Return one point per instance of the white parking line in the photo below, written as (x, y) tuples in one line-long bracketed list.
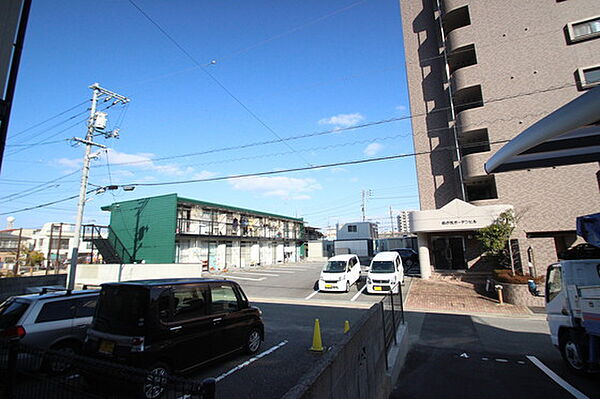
[(568, 387), (240, 278), (280, 271), (258, 274), (311, 295), (247, 362), (355, 297)]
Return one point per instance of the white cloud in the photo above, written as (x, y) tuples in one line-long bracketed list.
[(338, 169), (372, 149), (343, 120), (205, 174), (143, 160), (69, 163), (279, 186)]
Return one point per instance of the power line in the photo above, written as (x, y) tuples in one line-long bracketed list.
[(46, 204), (314, 167), (350, 128), (48, 120), (214, 79), (40, 185)]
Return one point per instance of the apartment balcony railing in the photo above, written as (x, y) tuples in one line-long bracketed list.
[(231, 229)]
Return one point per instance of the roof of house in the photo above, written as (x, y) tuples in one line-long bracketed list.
[(211, 204)]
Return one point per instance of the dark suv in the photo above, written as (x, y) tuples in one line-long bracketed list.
[(167, 326)]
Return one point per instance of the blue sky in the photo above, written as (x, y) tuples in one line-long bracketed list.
[(300, 66)]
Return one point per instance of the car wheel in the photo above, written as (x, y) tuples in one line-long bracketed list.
[(572, 353), (58, 360), (253, 341), (156, 381)]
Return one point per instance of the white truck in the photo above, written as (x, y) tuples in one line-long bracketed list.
[(573, 304)]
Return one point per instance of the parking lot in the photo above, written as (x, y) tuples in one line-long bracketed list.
[(286, 295), (296, 283)]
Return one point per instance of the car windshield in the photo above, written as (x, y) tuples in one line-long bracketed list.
[(121, 310), (11, 311), (335, 266), (382, 267)]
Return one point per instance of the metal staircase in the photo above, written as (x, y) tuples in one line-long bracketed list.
[(107, 243)]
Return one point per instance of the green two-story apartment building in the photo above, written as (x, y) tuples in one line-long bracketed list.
[(172, 229)]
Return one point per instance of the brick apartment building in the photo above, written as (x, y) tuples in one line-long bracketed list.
[(479, 73)]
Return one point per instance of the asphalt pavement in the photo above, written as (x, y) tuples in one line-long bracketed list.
[(287, 295), (461, 356)]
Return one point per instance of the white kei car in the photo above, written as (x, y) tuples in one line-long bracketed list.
[(339, 273), (385, 274)]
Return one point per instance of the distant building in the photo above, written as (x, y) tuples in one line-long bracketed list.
[(356, 238), (172, 229), (404, 222)]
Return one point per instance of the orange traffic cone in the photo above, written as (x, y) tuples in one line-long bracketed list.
[(317, 345)]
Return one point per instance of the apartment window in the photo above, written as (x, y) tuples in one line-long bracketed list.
[(584, 30), (467, 98), (588, 77), (474, 141), (481, 189), (352, 228), (462, 57)]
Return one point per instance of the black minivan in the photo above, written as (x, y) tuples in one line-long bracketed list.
[(173, 325)]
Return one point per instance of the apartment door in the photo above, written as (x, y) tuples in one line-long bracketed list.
[(449, 253), (212, 256)]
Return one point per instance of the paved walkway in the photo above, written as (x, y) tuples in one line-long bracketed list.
[(451, 294)]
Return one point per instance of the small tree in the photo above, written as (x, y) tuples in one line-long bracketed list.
[(494, 238), (34, 258)]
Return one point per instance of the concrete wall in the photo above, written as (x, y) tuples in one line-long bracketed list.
[(356, 367), (19, 285), (98, 274)]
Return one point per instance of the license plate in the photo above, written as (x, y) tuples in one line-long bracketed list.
[(377, 288), (107, 347), (328, 286)]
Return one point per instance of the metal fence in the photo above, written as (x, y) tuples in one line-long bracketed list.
[(392, 313), (27, 373)]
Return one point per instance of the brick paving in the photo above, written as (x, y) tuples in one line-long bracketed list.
[(452, 294)]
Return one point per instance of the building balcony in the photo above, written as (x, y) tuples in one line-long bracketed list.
[(467, 98), (472, 165), (471, 119), (465, 77), (232, 230), (460, 37), (451, 5)]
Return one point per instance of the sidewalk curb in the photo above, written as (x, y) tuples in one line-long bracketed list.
[(531, 316)]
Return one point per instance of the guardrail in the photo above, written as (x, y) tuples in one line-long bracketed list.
[(30, 372)]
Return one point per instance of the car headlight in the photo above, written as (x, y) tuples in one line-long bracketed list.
[(340, 278), (321, 279)]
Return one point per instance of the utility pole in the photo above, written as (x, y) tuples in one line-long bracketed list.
[(49, 257), (96, 122), (391, 221), (57, 265), (16, 265), (365, 194)]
